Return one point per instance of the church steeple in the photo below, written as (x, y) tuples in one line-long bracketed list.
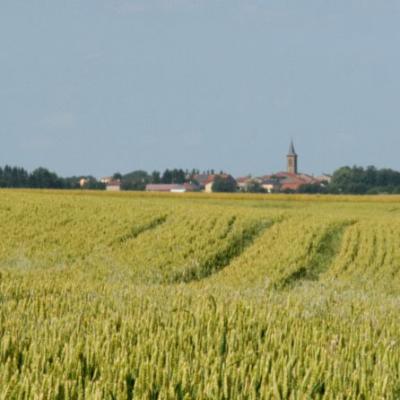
[(292, 159), (291, 149)]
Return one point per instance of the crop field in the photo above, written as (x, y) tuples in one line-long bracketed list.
[(136, 296)]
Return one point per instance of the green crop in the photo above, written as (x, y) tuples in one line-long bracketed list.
[(137, 296)]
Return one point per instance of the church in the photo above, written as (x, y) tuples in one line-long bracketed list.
[(291, 179), (292, 160)]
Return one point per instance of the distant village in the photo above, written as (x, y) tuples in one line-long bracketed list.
[(344, 180), (287, 181)]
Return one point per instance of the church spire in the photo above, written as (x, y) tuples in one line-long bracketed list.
[(292, 152), (292, 159)]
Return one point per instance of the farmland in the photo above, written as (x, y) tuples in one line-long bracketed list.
[(134, 296)]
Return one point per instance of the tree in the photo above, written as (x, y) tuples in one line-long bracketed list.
[(178, 176), (13, 177), (312, 188), (255, 187), (166, 177), (93, 184), (357, 180), (288, 191), (73, 182), (224, 184), (155, 177), (193, 173), (44, 179), (135, 180)]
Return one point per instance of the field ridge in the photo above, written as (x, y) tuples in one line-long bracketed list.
[(325, 253), (139, 229), (237, 244)]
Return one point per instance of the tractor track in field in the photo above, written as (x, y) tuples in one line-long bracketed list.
[(327, 250), (138, 230)]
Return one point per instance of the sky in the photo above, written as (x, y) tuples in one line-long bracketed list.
[(100, 86)]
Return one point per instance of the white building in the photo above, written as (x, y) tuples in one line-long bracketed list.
[(113, 186)]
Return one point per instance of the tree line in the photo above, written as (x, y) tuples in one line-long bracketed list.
[(370, 180), (42, 178)]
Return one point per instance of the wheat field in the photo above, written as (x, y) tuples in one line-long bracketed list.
[(137, 296)]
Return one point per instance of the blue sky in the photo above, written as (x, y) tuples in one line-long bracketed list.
[(98, 86)]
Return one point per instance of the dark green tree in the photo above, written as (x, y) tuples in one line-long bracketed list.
[(44, 179), (94, 184), (224, 184), (155, 177), (135, 180), (255, 187), (166, 177), (312, 188), (178, 176)]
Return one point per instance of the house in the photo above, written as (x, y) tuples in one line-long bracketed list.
[(286, 181), (203, 180), (171, 187), (243, 182), (206, 181), (293, 182), (83, 182), (270, 184), (113, 185), (106, 179), (208, 187), (324, 178)]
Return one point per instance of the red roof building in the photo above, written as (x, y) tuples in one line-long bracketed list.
[(291, 181), (171, 187)]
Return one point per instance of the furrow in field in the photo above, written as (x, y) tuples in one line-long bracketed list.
[(230, 248), (290, 251), (369, 256), (138, 229), (323, 251), (54, 232), (190, 245)]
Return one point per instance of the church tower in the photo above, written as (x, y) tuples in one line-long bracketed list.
[(292, 160)]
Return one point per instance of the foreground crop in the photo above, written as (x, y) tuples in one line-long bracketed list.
[(133, 298)]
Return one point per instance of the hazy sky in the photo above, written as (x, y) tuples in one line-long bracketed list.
[(98, 86)]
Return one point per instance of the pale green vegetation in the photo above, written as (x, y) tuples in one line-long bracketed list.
[(198, 297)]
